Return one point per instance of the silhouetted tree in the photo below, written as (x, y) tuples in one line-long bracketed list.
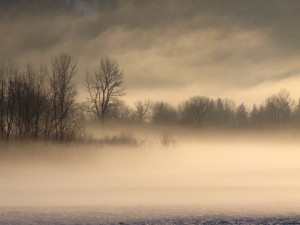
[(63, 93), (10, 74), (278, 108), (196, 110), (296, 115), (105, 86), (241, 116), (163, 113), (36, 104), (143, 111), (119, 111), (254, 117), (220, 115), (3, 90), (223, 113)]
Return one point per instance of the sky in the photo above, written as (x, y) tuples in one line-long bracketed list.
[(168, 50)]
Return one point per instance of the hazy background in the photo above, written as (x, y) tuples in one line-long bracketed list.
[(236, 171), (170, 49)]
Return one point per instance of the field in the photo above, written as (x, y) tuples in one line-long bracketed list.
[(153, 176)]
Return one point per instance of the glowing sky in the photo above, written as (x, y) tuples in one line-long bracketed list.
[(168, 49)]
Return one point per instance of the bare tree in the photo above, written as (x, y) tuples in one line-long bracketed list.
[(163, 113), (33, 107), (63, 93), (40, 101), (105, 86), (143, 111), (196, 110), (119, 112), (278, 108), (12, 72), (3, 93)]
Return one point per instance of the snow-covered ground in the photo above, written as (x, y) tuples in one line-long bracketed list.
[(137, 215), (191, 205)]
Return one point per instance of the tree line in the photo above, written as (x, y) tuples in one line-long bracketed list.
[(277, 111), (41, 103)]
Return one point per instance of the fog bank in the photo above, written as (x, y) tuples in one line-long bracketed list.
[(194, 168)]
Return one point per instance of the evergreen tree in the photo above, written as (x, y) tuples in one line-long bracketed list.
[(241, 116)]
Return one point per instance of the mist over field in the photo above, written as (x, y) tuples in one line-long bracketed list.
[(225, 169), (149, 112), (156, 175)]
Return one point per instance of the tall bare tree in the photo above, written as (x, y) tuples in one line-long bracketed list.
[(105, 86), (63, 93), (12, 73), (3, 90)]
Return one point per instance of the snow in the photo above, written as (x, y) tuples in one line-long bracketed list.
[(136, 215)]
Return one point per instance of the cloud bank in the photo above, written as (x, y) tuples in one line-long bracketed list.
[(168, 49)]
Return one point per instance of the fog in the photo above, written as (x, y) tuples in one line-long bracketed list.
[(170, 166)]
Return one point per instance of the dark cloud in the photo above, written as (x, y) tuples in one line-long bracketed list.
[(279, 17), (160, 43)]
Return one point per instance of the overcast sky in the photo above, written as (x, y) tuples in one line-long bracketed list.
[(168, 49)]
